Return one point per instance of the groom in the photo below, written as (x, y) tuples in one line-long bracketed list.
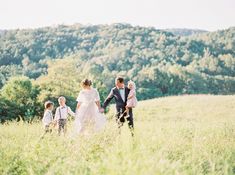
[(120, 94)]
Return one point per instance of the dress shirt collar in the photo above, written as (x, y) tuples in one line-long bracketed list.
[(62, 107), (122, 88)]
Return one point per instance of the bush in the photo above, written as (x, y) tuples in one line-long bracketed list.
[(19, 99)]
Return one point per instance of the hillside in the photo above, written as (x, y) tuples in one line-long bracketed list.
[(26, 51), (56, 59), (186, 32), (173, 135)]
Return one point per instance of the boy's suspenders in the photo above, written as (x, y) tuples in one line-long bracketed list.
[(51, 115), (60, 111)]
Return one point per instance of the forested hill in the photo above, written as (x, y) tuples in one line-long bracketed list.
[(160, 62), (186, 32), (55, 59)]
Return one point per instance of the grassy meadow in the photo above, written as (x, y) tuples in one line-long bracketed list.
[(173, 135)]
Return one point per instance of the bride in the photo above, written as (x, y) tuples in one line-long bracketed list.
[(88, 116)]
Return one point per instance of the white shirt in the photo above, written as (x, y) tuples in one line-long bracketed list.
[(122, 93), (47, 117), (62, 112)]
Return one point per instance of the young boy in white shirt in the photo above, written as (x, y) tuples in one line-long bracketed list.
[(47, 119), (61, 115)]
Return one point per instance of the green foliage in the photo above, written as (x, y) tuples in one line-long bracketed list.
[(63, 79), (118, 48), (8, 71), (19, 97), (160, 62), (8, 111), (185, 32)]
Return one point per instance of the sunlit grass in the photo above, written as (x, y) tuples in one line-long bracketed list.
[(173, 135)]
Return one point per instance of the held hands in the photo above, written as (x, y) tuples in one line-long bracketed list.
[(53, 123), (101, 110)]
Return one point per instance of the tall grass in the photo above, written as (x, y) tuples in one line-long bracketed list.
[(173, 135)]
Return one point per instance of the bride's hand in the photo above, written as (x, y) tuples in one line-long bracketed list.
[(101, 110)]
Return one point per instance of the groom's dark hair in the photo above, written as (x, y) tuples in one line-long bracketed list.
[(120, 79)]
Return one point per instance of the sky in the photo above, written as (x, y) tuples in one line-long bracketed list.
[(196, 14)]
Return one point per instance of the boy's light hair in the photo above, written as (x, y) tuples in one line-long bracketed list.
[(62, 98)]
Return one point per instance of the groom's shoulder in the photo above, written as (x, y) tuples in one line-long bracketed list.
[(114, 89)]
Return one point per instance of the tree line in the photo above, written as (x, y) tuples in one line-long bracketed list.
[(51, 61)]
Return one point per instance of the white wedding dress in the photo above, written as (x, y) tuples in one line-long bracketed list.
[(88, 116)]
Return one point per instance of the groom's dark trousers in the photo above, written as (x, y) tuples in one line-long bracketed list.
[(121, 115)]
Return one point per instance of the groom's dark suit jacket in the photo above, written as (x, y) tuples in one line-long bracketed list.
[(120, 104), (114, 93)]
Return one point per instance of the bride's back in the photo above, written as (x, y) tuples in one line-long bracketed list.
[(88, 95)]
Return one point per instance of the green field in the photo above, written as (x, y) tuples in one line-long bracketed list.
[(173, 135)]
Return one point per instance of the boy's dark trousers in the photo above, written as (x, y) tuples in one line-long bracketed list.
[(48, 129), (62, 124)]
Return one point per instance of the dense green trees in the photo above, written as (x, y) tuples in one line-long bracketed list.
[(56, 59), (19, 99)]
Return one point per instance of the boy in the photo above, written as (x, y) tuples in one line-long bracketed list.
[(47, 119), (61, 115)]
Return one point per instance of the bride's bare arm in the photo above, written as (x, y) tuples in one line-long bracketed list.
[(78, 105), (98, 104)]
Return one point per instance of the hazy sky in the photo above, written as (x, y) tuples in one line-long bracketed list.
[(201, 14)]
